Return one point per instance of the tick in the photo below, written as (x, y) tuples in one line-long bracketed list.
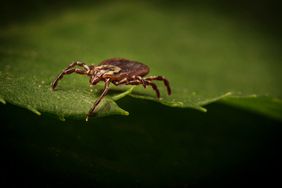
[(118, 71)]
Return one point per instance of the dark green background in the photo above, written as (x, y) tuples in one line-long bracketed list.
[(155, 145)]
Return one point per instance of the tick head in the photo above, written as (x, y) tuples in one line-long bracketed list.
[(101, 72)]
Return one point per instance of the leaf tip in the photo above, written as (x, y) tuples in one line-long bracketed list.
[(34, 110), (202, 109), (2, 100), (126, 113)]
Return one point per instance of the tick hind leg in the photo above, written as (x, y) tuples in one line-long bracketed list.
[(155, 88), (138, 81), (70, 70), (161, 78)]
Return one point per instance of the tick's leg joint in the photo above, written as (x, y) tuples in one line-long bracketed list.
[(70, 70), (105, 91), (143, 82), (122, 81), (161, 78), (78, 63), (155, 88)]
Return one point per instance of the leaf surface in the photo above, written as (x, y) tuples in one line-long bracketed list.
[(205, 55)]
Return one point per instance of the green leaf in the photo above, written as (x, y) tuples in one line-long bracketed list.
[(205, 55)]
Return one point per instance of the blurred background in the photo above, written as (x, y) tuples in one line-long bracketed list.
[(265, 13), (156, 145)]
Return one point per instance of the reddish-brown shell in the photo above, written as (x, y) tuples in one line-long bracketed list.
[(128, 68)]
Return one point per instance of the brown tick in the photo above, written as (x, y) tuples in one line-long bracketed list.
[(116, 70)]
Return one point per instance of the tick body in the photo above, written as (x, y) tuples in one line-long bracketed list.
[(118, 71)]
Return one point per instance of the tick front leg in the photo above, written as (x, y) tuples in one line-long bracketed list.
[(161, 78), (104, 93), (78, 63), (69, 70)]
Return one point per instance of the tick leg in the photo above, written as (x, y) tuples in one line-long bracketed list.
[(146, 82), (142, 81), (161, 78), (78, 63), (105, 91), (123, 81), (69, 70), (137, 79), (154, 86)]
